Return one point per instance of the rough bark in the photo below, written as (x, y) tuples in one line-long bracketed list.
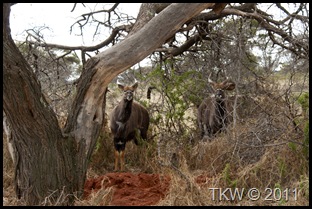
[(44, 161)]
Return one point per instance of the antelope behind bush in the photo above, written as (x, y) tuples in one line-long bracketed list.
[(126, 120), (213, 111)]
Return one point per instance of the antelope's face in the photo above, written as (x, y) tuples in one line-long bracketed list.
[(220, 88), (128, 91), (128, 94), (219, 94)]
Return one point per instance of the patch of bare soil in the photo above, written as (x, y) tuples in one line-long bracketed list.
[(131, 189)]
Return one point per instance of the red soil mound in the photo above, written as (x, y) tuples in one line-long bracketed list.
[(131, 189)]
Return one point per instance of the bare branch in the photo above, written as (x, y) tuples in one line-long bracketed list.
[(86, 48), (85, 17), (299, 47)]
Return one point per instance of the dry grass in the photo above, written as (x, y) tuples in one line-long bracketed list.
[(8, 174), (277, 168), (102, 197)]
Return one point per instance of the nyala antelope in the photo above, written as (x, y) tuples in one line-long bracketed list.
[(126, 120), (213, 111)]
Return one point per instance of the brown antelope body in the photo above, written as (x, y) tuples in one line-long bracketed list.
[(213, 111), (126, 119)]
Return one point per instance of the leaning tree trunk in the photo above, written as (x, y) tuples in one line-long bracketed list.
[(53, 163)]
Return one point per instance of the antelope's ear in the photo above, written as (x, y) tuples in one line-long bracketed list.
[(228, 85), (134, 86), (121, 87), (213, 84)]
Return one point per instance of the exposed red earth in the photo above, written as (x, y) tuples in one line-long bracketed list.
[(131, 189)]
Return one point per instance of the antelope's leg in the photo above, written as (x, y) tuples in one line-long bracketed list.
[(117, 154), (122, 160)]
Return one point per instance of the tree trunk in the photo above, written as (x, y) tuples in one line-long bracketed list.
[(45, 161), (53, 163)]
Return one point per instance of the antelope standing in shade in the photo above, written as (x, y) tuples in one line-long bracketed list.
[(126, 119), (213, 111)]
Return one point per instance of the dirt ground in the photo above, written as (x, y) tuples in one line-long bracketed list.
[(130, 189)]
